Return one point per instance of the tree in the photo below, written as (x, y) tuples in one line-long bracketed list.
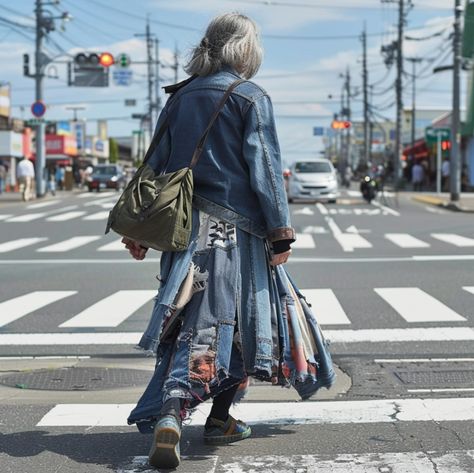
[(113, 151)]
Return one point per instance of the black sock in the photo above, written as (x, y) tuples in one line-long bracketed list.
[(222, 403), (173, 407)]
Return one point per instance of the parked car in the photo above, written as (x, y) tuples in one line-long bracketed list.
[(106, 176), (313, 179)]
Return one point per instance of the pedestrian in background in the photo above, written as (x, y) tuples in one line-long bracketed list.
[(226, 308), (445, 173), (60, 173), (417, 176), (26, 174), (3, 176)]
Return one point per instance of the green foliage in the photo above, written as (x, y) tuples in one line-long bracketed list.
[(113, 151)]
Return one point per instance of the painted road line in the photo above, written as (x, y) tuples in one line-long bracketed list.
[(47, 357), (69, 244), (389, 335), (103, 215), (386, 209), (14, 309), (469, 289), (20, 243), (326, 307), (442, 390), (451, 461), (26, 217), (348, 241), (66, 216), (303, 241), (322, 209), (116, 245), (278, 413), (304, 211), (453, 239), (415, 305), (40, 205), (4, 216), (85, 195), (112, 310), (107, 205), (354, 193), (424, 360), (100, 201), (405, 240)]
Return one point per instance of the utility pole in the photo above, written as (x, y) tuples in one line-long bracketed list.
[(414, 61), (157, 77), (349, 116), (40, 163), (176, 63), (365, 80), (455, 166)]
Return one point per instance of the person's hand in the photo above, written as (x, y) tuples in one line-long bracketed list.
[(135, 249), (280, 258)]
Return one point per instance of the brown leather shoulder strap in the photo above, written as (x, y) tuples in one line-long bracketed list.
[(200, 146)]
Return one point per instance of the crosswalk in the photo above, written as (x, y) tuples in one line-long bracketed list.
[(407, 305), (305, 241)]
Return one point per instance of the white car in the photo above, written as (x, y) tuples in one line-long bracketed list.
[(313, 179)]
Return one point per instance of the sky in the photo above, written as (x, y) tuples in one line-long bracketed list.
[(308, 45)]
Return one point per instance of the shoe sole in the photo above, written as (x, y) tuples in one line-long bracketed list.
[(225, 439), (163, 452)]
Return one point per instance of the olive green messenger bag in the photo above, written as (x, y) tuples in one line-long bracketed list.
[(156, 209)]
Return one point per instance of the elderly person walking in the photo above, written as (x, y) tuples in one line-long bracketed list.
[(226, 308)]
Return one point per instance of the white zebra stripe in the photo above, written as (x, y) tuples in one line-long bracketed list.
[(326, 307), (66, 216), (69, 244), (21, 243), (454, 239), (404, 240)]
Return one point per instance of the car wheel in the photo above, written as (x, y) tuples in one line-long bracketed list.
[(290, 200), (332, 201)]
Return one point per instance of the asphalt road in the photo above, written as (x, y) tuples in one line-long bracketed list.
[(391, 284)]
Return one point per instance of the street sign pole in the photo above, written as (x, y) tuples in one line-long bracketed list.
[(438, 163)]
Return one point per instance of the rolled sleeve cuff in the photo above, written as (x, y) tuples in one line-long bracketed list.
[(283, 233)]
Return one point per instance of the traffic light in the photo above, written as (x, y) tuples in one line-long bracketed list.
[(87, 60), (341, 124), (446, 145), (123, 60), (26, 65), (106, 60)]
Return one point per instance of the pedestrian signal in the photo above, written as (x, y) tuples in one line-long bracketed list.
[(341, 124), (446, 145)]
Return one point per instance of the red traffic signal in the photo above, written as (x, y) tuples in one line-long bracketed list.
[(446, 145), (106, 60), (341, 124)]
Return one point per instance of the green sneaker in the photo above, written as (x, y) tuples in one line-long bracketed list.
[(217, 432), (164, 451)]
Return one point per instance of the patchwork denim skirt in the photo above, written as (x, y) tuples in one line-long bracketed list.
[(224, 314)]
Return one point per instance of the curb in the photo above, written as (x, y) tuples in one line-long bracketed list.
[(438, 202)]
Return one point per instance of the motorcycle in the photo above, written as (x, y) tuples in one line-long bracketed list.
[(368, 188)]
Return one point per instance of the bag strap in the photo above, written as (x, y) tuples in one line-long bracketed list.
[(200, 146)]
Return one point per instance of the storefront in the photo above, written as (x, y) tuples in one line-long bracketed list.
[(11, 151)]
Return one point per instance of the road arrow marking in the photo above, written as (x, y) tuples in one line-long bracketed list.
[(354, 229), (303, 211)]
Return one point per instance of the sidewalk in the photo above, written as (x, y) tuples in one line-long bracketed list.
[(443, 200)]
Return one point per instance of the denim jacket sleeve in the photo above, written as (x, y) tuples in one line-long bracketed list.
[(261, 151)]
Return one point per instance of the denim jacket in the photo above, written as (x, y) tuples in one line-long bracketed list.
[(239, 174)]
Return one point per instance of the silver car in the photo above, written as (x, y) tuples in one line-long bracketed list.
[(313, 179)]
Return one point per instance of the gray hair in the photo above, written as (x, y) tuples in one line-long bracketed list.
[(231, 40)]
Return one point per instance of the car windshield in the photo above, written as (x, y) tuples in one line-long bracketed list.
[(307, 167), (106, 170)]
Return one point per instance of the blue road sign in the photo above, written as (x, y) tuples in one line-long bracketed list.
[(318, 131), (38, 109), (122, 77)]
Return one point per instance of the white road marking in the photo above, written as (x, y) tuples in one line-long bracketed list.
[(20, 243), (326, 307), (354, 193), (388, 335), (442, 390), (47, 357), (405, 240), (100, 201), (424, 360), (112, 310), (14, 309), (469, 289), (354, 229), (103, 215), (116, 245), (415, 305), (281, 413), (40, 205), (304, 211), (85, 195), (207, 464), (303, 241), (4, 216), (26, 217), (107, 205), (69, 244), (386, 209), (454, 239), (434, 210), (314, 229), (348, 241), (66, 216), (322, 209)]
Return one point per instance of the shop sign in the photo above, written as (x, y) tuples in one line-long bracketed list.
[(11, 144)]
